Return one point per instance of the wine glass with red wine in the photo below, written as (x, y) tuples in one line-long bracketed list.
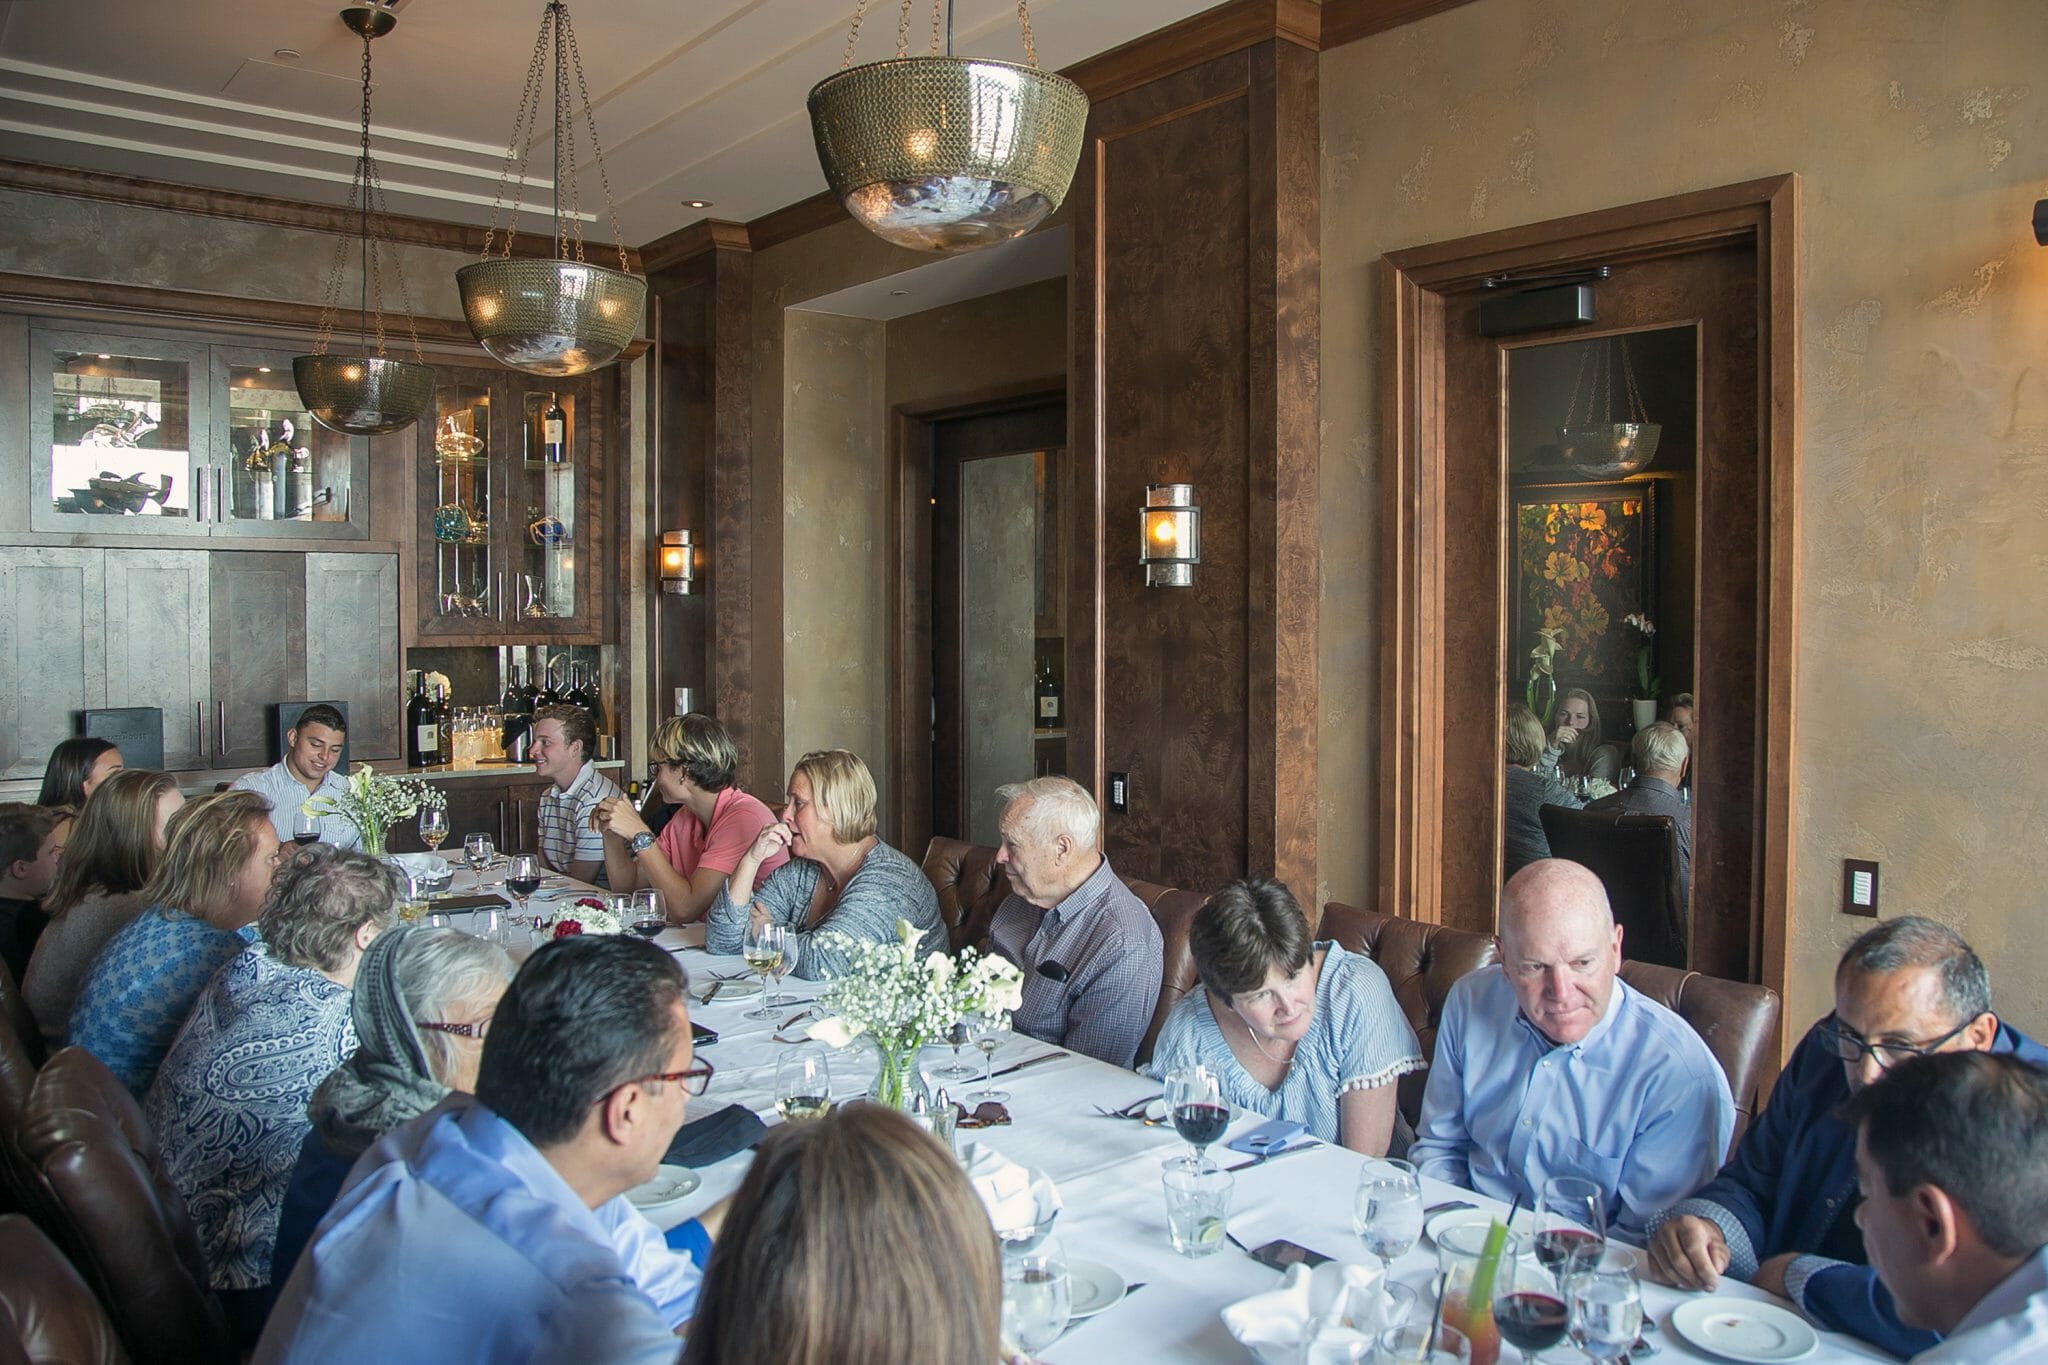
[(522, 879), (1571, 1225), (1529, 1307), (305, 828), (1194, 1097)]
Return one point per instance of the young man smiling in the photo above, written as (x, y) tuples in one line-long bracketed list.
[(564, 742), (306, 773)]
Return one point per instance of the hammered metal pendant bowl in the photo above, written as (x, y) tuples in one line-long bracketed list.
[(551, 317), (1608, 450), (362, 395), (948, 154)]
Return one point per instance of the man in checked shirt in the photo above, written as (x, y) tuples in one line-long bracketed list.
[(1089, 950)]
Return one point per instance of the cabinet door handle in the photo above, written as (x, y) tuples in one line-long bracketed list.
[(498, 597), (199, 748), (220, 729), (220, 478), (202, 500)]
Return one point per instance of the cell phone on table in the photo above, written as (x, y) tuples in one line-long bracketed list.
[(701, 1036), (1281, 1253)]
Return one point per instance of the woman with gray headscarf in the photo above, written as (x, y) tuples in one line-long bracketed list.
[(423, 1002)]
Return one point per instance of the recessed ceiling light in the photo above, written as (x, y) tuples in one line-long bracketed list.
[(899, 293), (263, 369), (286, 54), (697, 203), (106, 357)]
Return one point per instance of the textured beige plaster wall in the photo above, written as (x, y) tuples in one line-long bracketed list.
[(1015, 337), (1921, 133)]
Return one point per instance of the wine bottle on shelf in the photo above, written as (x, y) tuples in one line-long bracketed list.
[(444, 722), (509, 702), (554, 431), (550, 695), (529, 695), (422, 730), (594, 700), (578, 697), (1046, 713)]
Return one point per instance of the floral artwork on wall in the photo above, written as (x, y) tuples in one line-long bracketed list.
[(1584, 561)]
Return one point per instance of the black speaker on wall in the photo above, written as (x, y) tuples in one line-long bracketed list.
[(1536, 310)]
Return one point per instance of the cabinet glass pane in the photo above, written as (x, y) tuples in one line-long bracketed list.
[(282, 465), (463, 461), (120, 435), (544, 497)]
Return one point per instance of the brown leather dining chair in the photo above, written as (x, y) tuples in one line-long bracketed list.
[(15, 1012), (48, 1315), (1636, 859), (970, 887), (109, 1204), (1738, 1021), (17, 1079)]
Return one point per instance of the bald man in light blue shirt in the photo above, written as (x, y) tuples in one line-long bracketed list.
[(1549, 1065)]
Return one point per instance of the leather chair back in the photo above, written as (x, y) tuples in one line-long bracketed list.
[(15, 1012), (17, 1079), (970, 887), (1173, 911), (1422, 963), (47, 1314), (1737, 1020), (113, 1209), (1636, 859)]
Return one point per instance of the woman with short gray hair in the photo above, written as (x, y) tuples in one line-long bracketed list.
[(229, 1104), (423, 1003)]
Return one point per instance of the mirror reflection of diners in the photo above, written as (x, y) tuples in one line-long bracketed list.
[(1604, 570)]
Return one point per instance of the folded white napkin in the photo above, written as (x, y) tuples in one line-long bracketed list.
[(424, 867), (1018, 1198), (1341, 1301)]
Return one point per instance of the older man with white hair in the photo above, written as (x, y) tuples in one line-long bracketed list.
[(1660, 753), (1549, 1065), (1089, 950)]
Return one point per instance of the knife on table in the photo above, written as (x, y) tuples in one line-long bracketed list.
[(1264, 1157), (1032, 1061)]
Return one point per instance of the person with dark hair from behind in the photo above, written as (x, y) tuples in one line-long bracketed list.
[(31, 847), (1529, 789), (495, 1226), (796, 1278), (76, 769), (306, 773), (1952, 1160), (1781, 1212)]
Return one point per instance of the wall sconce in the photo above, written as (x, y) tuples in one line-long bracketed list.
[(1171, 542), (676, 562)]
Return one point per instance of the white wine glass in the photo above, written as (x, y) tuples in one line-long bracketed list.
[(762, 952), (433, 827), (477, 851), (1386, 1212), (803, 1084)]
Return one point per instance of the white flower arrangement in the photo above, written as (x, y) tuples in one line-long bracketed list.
[(584, 915), (901, 1003), (374, 804)]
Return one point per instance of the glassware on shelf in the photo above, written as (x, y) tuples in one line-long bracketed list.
[(454, 524), (456, 442)]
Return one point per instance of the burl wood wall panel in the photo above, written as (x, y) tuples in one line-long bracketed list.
[(1196, 324)]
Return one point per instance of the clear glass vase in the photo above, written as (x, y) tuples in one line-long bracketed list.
[(898, 1082)]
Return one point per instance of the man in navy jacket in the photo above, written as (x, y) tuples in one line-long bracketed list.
[(1781, 1214)]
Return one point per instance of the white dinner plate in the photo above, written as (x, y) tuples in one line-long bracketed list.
[(1743, 1330), (727, 990), (1094, 1286), (1443, 1222), (671, 1185)]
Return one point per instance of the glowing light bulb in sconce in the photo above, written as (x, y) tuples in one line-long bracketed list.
[(1171, 535), (676, 562)]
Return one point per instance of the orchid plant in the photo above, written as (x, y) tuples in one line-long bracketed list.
[(1542, 680), (374, 804), (900, 1003), (1648, 685)]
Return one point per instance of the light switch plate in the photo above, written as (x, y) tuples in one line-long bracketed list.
[(1120, 793), (1859, 887)]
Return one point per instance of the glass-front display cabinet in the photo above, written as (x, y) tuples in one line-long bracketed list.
[(140, 435), (506, 500)]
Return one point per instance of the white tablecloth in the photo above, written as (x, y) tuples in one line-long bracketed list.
[(1108, 1172)]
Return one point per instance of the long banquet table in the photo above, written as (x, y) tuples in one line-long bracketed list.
[(1108, 1173)]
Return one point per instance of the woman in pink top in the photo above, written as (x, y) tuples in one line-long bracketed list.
[(715, 824)]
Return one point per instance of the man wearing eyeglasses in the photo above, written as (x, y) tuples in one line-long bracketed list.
[(495, 1227), (1782, 1212)]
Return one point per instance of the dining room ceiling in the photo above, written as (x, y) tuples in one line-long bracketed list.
[(696, 100)]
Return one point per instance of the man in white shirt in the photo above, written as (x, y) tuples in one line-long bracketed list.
[(1952, 1158), (495, 1227), (311, 749), (563, 744)]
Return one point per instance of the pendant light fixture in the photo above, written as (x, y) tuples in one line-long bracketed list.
[(943, 153), (364, 392), (563, 315)]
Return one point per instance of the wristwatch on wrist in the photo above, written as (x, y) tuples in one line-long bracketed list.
[(640, 843)]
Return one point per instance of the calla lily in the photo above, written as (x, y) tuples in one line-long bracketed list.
[(834, 1032)]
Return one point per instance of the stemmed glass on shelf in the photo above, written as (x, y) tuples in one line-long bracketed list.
[(763, 951), (1386, 1212), (433, 827), (1194, 1099)]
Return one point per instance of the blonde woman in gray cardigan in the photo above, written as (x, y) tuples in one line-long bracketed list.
[(841, 879)]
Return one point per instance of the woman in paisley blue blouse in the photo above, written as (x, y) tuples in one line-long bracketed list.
[(1296, 1029), (229, 1104)]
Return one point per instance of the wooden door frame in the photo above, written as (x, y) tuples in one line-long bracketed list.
[(909, 553), (1415, 511)]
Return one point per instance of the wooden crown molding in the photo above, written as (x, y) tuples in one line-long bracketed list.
[(706, 234), (139, 192), (1346, 21)]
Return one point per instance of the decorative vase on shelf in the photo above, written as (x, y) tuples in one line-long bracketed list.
[(1645, 712), (898, 1082)]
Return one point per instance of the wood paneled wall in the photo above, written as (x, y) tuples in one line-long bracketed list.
[(1195, 299)]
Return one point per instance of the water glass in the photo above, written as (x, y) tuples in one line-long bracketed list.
[(1038, 1297), (488, 922), (1409, 1344), (477, 851), (1606, 1311), (1386, 1212), (1197, 1208)]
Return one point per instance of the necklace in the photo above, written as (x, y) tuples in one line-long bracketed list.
[(1252, 1034)]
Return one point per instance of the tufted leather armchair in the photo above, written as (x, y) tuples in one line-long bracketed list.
[(17, 1078), (47, 1315), (970, 887), (1738, 1021), (113, 1209), (14, 1012), (1173, 911)]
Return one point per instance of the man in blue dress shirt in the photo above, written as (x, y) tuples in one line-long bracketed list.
[(1549, 1065), (1781, 1213), (494, 1227)]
